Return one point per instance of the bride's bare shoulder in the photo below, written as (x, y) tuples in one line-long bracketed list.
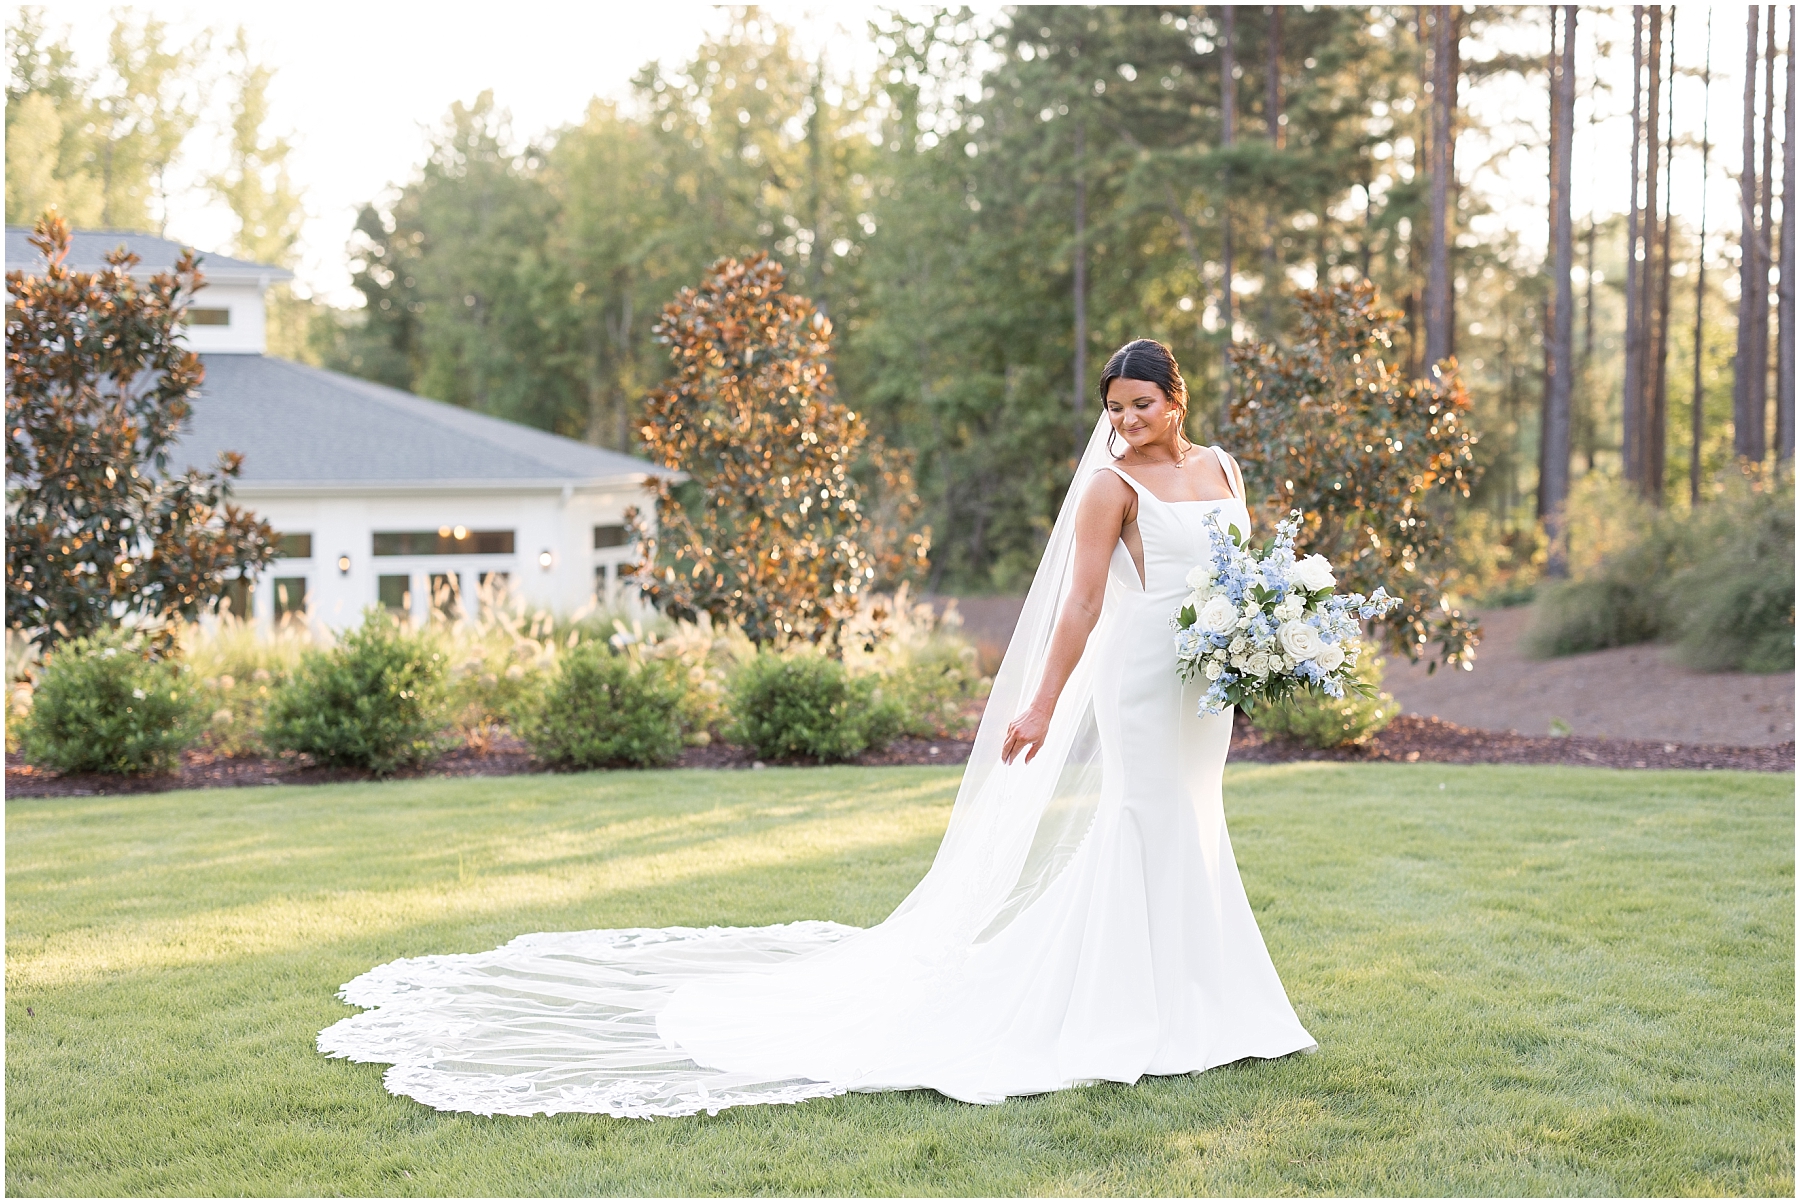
[(1106, 497), (1105, 487)]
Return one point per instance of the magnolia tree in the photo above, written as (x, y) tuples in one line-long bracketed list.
[(1375, 462), (772, 529), (98, 385)]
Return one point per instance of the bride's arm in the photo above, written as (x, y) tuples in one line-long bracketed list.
[(1101, 518)]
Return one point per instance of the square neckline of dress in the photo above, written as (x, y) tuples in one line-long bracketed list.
[(1144, 488)]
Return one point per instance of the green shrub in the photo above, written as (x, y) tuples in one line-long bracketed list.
[(808, 705), (1311, 718), (601, 710), (1717, 581), (237, 670), (100, 705), (376, 701), (934, 689), (489, 689), (1585, 616), (1734, 606)]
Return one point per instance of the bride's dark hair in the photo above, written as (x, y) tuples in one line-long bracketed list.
[(1147, 360)]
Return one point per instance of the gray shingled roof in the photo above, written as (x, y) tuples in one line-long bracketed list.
[(305, 427), (88, 250)]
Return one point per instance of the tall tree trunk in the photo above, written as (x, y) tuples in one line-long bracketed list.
[(1079, 399), (1443, 102), (1747, 413), (1697, 415), (817, 168), (1766, 223), (1553, 483), (1631, 401), (1784, 333), (1227, 139), (1272, 120), (1589, 434), (1656, 429)]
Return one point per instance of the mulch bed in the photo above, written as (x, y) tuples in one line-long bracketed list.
[(1408, 739), (1412, 738)]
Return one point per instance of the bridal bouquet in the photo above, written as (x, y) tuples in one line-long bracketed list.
[(1261, 624)]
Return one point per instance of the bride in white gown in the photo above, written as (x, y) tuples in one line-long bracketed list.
[(1083, 919)]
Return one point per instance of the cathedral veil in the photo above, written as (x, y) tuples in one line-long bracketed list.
[(1014, 826), (569, 1021)]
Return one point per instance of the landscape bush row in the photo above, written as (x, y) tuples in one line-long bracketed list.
[(382, 696), (596, 692), (1716, 581)]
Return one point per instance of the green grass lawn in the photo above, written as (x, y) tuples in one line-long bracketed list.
[(1523, 981)]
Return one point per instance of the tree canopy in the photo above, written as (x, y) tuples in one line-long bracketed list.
[(98, 384), (773, 532)]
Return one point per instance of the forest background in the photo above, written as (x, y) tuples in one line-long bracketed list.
[(984, 213)]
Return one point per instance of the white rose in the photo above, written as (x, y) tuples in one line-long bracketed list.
[(1313, 574), (1213, 670), (1291, 606), (1259, 664), (1199, 576), (1299, 640), (1239, 646), (1331, 658), (1216, 615)]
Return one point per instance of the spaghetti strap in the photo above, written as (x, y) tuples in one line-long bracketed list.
[(1234, 478)]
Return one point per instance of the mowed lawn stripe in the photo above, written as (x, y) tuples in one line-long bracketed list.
[(1523, 980)]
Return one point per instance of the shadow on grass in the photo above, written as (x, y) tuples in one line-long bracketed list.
[(1522, 983)]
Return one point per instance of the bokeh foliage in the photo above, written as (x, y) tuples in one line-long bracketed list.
[(1374, 460), (98, 384), (772, 532)]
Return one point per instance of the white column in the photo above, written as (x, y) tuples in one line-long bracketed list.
[(262, 602)]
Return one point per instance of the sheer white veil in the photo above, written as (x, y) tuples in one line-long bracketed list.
[(1014, 827), (571, 1021)]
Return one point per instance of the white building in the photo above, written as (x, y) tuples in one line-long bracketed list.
[(381, 496)]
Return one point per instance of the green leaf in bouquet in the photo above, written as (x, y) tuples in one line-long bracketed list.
[(1186, 616), (1237, 536)]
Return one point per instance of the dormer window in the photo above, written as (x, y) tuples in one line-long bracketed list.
[(208, 317)]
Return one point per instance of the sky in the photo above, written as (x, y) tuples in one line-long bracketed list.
[(359, 109)]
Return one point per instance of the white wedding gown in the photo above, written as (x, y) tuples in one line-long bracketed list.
[(1083, 921)]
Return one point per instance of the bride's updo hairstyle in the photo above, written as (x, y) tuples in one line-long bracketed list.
[(1147, 360)]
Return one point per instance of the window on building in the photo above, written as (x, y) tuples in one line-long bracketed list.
[(294, 547), (446, 594), (237, 599), (290, 596), (444, 541), (610, 536), (209, 317), (395, 592)]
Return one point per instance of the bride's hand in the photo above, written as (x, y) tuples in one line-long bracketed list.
[(1026, 732)]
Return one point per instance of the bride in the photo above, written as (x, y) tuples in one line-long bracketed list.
[(1083, 920)]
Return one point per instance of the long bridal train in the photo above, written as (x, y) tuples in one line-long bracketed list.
[(1082, 921)]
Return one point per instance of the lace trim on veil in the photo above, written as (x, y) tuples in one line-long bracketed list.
[(566, 1021)]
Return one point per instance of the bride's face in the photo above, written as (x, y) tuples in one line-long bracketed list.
[(1141, 413)]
